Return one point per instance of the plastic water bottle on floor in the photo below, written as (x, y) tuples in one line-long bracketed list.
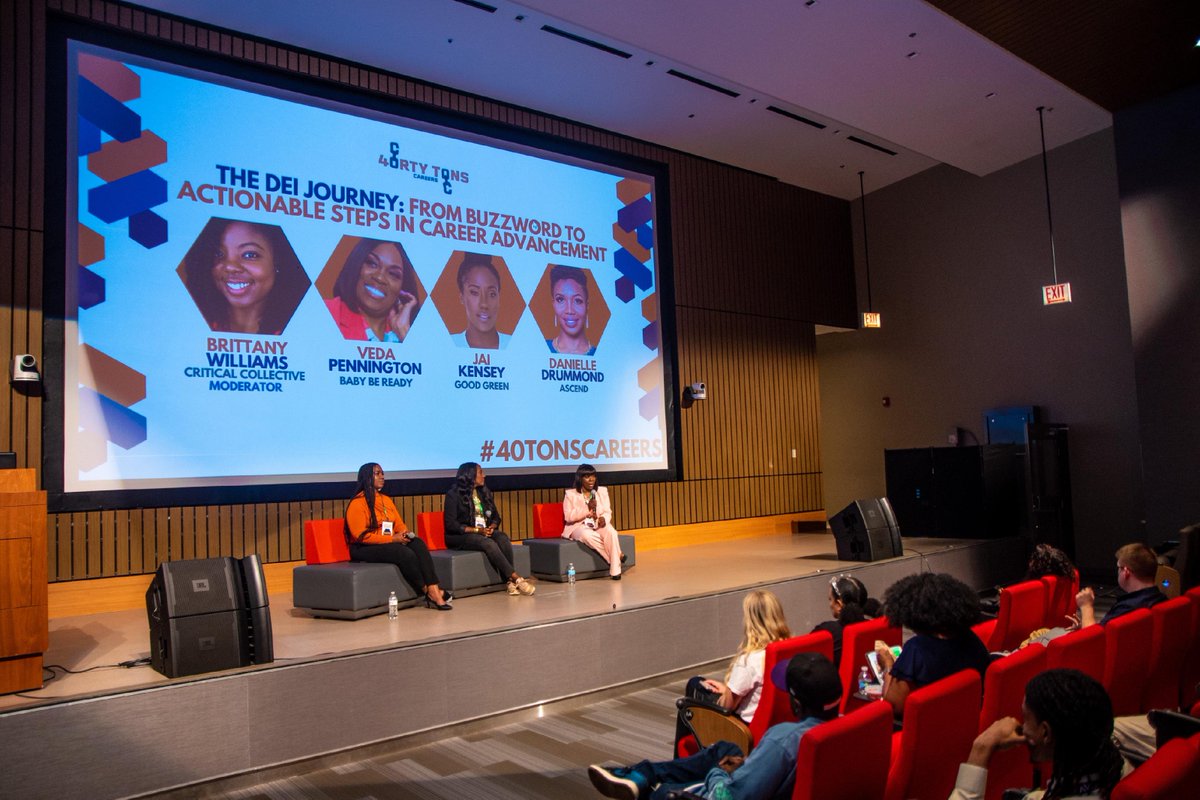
[(864, 678), (571, 574), (393, 606)]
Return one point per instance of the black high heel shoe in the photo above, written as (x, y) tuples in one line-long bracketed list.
[(439, 606)]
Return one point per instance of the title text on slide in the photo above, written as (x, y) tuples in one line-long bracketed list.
[(548, 450)]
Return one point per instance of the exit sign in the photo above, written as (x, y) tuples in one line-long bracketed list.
[(1058, 293), (872, 319)]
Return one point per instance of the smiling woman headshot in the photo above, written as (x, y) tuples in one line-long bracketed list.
[(479, 291), (569, 298), (244, 277), (375, 296)]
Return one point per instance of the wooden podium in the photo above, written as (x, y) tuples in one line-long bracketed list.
[(24, 621)]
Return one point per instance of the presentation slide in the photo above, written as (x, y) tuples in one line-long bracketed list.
[(265, 287)]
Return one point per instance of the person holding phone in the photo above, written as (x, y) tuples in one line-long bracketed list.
[(375, 296), (587, 518), (375, 533), (472, 522)]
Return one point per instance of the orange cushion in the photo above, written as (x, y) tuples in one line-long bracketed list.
[(431, 527), (547, 520), (325, 541)]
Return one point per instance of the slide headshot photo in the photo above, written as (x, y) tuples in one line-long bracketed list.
[(478, 300), (570, 311), (371, 290), (244, 277)]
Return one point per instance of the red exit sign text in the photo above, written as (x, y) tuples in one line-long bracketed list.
[(1058, 293)]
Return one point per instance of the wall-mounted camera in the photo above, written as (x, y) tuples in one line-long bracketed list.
[(694, 392), (25, 369)]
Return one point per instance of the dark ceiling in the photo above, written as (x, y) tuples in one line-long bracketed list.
[(1117, 53)]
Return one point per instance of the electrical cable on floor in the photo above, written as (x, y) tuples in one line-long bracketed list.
[(50, 672)]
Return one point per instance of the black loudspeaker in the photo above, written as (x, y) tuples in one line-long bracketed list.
[(208, 614), (866, 530)]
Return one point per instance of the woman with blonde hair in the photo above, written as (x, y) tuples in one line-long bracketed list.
[(762, 623)]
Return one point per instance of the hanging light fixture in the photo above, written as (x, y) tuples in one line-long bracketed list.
[(871, 318), (1056, 292)]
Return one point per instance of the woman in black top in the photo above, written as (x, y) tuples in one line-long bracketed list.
[(848, 603), (472, 522)]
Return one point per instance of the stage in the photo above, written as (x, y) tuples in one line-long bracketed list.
[(337, 685)]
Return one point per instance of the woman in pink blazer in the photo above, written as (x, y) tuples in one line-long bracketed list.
[(587, 518)]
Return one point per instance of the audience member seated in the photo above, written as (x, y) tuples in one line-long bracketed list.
[(376, 533), (1049, 560), (587, 518), (848, 603), (472, 522), (722, 770), (762, 623), (1136, 568), (1068, 719), (939, 610)]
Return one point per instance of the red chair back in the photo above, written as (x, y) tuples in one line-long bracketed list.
[(1082, 650), (1166, 775), (1127, 645), (940, 721), (846, 758), (1003, 693), (1022, 610), (774, 705), (547, 520), (431, 527), (858, 640), (325, 541), (1189, 673), (1060, 598), (1172, 622)]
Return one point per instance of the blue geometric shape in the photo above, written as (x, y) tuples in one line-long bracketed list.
[(633, 269), (625, 290), (636, 213), (650, 336), (89, 137), (127, 196), (645, 236), (91, 288), (147, 229), (107, 113), (113, 421), (650, 403)]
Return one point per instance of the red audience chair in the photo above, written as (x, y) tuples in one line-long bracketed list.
[(858, 640), (1166, 775), (1190, 672), (940, 722), (774, 705), (1060, 599), (325, 541), (1127, 646), (431, 527), (1022, 610), (846, 758), (1003, 693), (1172, 623), (1082, 650), (547, 520)]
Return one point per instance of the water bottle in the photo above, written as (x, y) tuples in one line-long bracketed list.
[(571, 574), (393, 606), (864, 678)]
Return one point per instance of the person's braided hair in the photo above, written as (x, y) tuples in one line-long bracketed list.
[(1080, 715)]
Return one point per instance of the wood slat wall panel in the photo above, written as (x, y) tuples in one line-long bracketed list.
[(755, 261)]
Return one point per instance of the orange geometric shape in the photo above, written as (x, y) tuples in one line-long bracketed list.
[(446, 296), (650, 376), (650, 307), (89, 449), (117, 159), (91, 246), (541, 304), (115, 78), (110, 377), (629, 190), (629, 240)]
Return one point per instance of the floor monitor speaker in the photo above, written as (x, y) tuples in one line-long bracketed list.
[(866, 530)]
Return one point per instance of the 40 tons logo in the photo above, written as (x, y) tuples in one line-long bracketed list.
[(422, 170)]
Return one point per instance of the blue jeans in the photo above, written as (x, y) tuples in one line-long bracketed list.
[(681, 773)]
